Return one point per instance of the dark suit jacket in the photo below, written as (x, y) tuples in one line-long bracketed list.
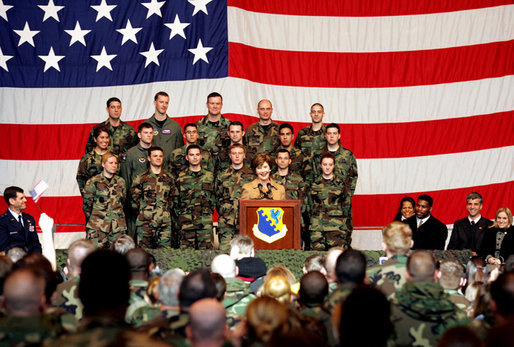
[(430, 235), (13, 234), (466, 237)]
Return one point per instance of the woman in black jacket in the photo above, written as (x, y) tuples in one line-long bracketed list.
[(498, 241)]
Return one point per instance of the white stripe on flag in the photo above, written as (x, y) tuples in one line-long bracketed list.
[(439, 172), (371, 34), (350, 105)]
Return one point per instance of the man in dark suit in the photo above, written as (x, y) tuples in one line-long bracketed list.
[(17, 228), (427, 231), (468, 232)]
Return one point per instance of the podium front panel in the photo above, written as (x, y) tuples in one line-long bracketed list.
[(271, 224)]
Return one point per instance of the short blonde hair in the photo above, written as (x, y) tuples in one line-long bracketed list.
[(245, 244), (106, 157), (398, 237)]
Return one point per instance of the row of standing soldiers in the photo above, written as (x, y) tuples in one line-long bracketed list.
[(170, 201)]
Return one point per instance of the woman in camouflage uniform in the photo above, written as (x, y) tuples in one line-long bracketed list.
[(90, 165), (104, 196), (326, 205)]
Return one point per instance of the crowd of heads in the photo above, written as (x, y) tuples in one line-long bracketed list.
[(283, 310)]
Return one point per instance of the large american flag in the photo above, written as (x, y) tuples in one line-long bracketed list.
[(423, 90)]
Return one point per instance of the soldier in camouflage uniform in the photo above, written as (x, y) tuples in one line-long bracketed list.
[(451, 278), (104, 291), (123, 136), (235, 134), (194, 203), (421, 311), (391, 275), (213, 127), (67, 293), (350, 271), (313, 291), (345, 164), (292, 182), (166, 131), (133, 163), (104, 196), (311, 139), (90, 164), (325, 201), (228, 191), (197, 285), (25, 323), (298, 160), (238, 294), (262, 137), (152, 199), (139, 262), (178, 162)]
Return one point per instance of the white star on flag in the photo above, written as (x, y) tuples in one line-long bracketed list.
[(103, 10), (103, 59), (153, 7), (4, 9), (77, 34), (200, 5), (177, 28), (3, 60), (200, 52), (51, 10), (26, 35), (129, 33), (51, 60), (152, 55)]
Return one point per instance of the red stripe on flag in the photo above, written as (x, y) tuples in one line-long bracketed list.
[(368, 210), (388, 140), (393, 140), (359, 8), (371, 70), (449, 205)]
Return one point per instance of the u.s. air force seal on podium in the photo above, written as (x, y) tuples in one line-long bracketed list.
[(269, 227)]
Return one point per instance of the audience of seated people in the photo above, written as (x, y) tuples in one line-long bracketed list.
[(118, 305)]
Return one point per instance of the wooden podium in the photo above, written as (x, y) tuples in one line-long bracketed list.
[(271, 224)]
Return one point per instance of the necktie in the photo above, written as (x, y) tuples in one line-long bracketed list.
[(420, 222), (20, 220), (472, 223)]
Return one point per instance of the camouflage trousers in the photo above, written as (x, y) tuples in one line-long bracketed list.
[(154, 235), (197, 239), (226, 232), (104, 239), (196, 232), (323, 240), (131, 218)]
